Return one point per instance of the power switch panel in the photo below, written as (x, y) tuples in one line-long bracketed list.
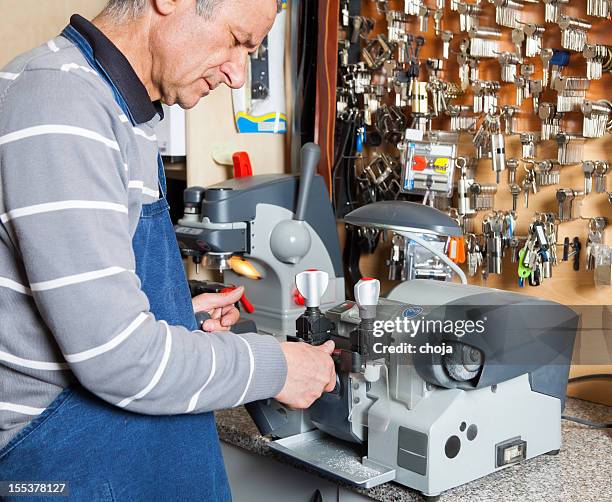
[(510, 452)]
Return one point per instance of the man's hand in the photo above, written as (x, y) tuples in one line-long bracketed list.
[(310, 372), (220, 307)]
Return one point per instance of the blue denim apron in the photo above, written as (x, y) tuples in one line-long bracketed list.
[(106, 453)]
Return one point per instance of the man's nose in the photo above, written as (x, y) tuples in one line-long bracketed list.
[(236, 70)]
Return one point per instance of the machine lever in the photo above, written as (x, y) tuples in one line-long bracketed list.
[(311, 155)]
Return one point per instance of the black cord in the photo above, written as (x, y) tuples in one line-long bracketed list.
[(582, 378), (596, 376), (594, 425)]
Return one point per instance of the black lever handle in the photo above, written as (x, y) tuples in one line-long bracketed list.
[(201, 317), (311, 155)]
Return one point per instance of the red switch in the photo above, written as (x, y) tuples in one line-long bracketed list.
[(242, 165)]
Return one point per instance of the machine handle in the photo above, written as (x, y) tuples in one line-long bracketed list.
[(367, 293), (312, 284), (311, 155)]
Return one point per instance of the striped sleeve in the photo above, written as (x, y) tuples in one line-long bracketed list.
[(65, 203)]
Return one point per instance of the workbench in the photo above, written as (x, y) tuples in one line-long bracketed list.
[(581, 471)]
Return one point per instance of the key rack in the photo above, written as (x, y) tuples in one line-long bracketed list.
[(496, 29)]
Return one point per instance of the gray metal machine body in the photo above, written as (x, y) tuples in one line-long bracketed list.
[(252, 217), (433, 421)]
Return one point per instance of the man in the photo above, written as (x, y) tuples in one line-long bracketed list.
[(105, 382)]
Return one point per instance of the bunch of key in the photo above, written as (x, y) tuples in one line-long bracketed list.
[(538, 255), (529, 142), (507, 12), (570, 148), (508, 116), (571, 92), (553, 63), (474, 254), (552, 10), (533, 38), (482, 195), (596, 56), (566, 198), (484, 41), (530, 184), (598, 8), (547, 172), (467, 168), (596, 118), (573, 32), (462, 118), (551, 121), (490, 142), (498, 233), (595, 174), (468, 15), (508, 61), (597, 226), (485, 96)]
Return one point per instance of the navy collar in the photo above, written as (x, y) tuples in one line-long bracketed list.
[(119, 70)]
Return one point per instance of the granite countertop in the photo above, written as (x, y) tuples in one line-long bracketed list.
[(580, 472)]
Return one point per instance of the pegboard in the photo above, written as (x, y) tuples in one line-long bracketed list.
[(566, 285)]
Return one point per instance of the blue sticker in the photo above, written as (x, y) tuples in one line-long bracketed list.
[(412, 311)]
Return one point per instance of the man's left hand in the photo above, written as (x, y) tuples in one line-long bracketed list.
[(220, 307)]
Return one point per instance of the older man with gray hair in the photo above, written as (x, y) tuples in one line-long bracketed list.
[(107, 383)]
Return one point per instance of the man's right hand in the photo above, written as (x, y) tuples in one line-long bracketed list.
[(310, 372)]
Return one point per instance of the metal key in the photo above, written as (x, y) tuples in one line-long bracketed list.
[(512, 165), (588, 168), (515, 190), (446, 37), (438, 15), (529, 184), (518, 37), (546, 55), (601, 169), (423, 18)]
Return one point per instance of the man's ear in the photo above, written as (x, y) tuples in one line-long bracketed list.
[(165, 7)]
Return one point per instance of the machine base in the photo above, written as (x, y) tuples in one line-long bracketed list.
[(336, 458)]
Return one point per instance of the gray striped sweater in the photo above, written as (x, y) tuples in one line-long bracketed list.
[(74, 174)]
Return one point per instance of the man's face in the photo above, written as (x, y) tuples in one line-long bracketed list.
[(192, 56)]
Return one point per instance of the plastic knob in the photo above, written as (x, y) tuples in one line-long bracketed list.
[(312, 285), (367, 292)]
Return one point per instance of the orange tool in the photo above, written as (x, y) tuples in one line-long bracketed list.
[(246, 304), (456, 249)]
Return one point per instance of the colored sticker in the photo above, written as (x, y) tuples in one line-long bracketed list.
[(419, 163)]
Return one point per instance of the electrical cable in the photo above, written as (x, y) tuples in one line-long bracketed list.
[(594, 425), (596, 376)]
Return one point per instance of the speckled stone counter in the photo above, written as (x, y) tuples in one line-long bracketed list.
[(581, 472)]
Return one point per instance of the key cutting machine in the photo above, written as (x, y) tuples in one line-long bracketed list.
[(438, 384), (260, 231)]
